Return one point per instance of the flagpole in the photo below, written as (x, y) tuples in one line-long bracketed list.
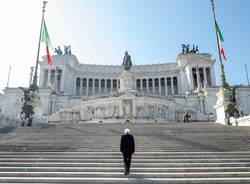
[(8, 77), (247, 74), (223, 78), (34, 86)]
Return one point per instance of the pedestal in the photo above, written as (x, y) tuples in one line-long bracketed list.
[(37, 107), (127, 82), (223, 100)]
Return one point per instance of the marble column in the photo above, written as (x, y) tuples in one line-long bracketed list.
[(191, 85), (172, 85), (166, 87), (178, 84), (99, 86), (198, 78), (141, 88), (212, 76), (81, 86), (153, 81), (87, 87), (147, 86), (62, 80), (49, 75), (93, 86), (105, 86), (55, 80), (159, 85), (205, 77), (111, 85)]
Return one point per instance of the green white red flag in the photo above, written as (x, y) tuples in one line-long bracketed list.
[(46, 39), (220, 39)]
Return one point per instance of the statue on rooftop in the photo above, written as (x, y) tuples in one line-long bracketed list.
[(67, 50), (58, 51), (127, 63), (186, 50)]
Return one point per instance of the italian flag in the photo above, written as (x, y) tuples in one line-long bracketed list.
[(220, 39), (46, 39)]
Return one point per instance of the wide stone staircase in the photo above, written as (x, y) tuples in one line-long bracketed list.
[(89, 153)]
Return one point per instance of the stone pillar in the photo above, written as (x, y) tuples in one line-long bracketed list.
[(99, 86), (205, 77), (111, 85), (55, 80), (172, 85), (135, 87), (141, 84), (159, 84), (178, 85), (166, 87), (87, 87), (198, 79), (117, 84), (41, 82), (62, 80), (49, 75), (105, 86), (80, 86), (93, 87), (147, 86), (153, 82), (212, 76), (191, 86)]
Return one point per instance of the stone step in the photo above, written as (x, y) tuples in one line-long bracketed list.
[(120, 164), (120, 169), (79, 157), (112, 160), (122, 180), (89, 153), (120, 174), (101, 152)]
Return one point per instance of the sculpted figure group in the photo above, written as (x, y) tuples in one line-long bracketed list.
[(153, 111), (67, 50), (186, 50), (100, 112)]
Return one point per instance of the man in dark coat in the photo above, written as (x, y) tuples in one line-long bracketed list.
[(127, 147)]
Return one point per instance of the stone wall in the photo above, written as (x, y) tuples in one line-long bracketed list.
[(7, 121)]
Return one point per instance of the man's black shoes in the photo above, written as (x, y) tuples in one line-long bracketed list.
[(125, 173)]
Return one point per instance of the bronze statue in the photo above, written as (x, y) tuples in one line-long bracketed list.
[(196, 49), (58, 51), (26, 92), (183, 48), (193, 50), (233, 96), (186, 50), (127, 63), (67, 50)]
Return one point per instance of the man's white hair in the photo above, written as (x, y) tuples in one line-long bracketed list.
[(127, 131)]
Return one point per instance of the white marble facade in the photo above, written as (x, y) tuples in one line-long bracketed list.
[(72, 91)]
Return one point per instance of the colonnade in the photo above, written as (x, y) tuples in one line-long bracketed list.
[(201, 77), (162, 86), (52, 78), (92, 86)]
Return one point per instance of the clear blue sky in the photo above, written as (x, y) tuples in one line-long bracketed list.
[(99, 31)]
